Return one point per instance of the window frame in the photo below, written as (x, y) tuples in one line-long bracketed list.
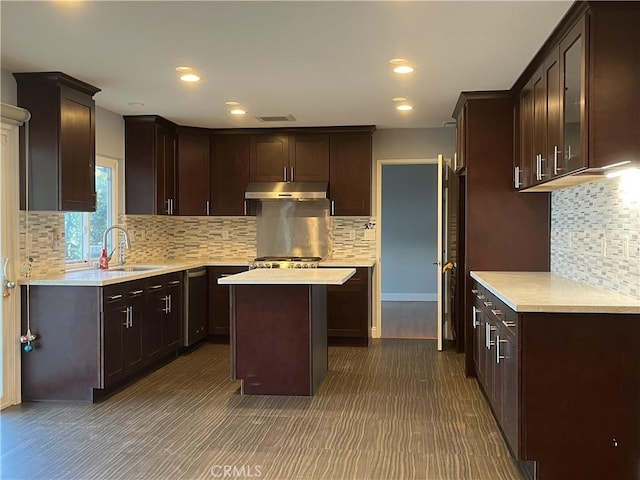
[(101, 161)]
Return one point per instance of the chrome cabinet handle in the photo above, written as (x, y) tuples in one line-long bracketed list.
[(481, 297), (498, 356), (174, 282), (114, 297), (155, 287), (487, 304), (516, 177), (245, 208), (128, 323), (292, 177), (207, 207), (169, 303), (487, 340), (496, 312), (556, 152), (136, 292), (285, 174), (474, 291), (474, 320), (508, 324), (333, 207)]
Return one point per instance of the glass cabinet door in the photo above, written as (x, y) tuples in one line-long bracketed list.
[(573, 71)]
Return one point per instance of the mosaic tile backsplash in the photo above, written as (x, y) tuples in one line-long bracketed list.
[(595, 234), (155, 239)]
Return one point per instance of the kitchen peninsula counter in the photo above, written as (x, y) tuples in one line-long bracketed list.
[(279, 328), (550, 293)]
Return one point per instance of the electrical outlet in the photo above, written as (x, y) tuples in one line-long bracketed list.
[(55, 241), (225, 235)]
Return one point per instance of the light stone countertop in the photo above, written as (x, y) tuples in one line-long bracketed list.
[(550, 293), (290, 276), (98, 278)]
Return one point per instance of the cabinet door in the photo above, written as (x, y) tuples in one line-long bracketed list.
[(229, 174), (572, 64), (172, 318), (219, 320), (348, 309), (461, 140), (269, 158), (350, 173), (113, 325), (526, 165), (479, 342), (539, 125), (77, 151), (165, 172), (553, 142), (152, 319), (132, 334), (510, 398), (193, 174), (309, 157)]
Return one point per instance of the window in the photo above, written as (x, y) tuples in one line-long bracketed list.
[(84, 230)]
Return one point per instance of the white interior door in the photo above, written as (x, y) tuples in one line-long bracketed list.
[(12, 118), (442, 245)]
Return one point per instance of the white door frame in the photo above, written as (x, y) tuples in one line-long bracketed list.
[(12, 118), (376, 331)]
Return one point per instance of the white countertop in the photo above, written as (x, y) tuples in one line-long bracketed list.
[(290, 276), (550, 293), (98, 278)]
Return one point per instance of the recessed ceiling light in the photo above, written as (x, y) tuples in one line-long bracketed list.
[(238, 111), (398, 61), (405, 107), (135, 104), (184, 69), (404, 69), (399, 99), (190, 77), (231, 104)]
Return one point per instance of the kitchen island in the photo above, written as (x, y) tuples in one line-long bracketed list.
[(279, 328)]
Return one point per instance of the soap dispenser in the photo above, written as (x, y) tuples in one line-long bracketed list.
[(103, 262)]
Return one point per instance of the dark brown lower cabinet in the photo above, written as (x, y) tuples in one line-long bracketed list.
[(564, 387), (94, 339), (349, 310), (219, 319)]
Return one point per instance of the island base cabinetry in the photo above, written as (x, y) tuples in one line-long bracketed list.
[(564, 387), (278, 338), (349, 310)]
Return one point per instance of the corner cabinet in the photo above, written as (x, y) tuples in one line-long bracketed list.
[(150, 169), (193, 172), (61, 161), (578, 99), (229, 174)]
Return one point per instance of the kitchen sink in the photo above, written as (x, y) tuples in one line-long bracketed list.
[(137, 268)]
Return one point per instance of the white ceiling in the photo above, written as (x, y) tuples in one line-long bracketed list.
[(325, 63)]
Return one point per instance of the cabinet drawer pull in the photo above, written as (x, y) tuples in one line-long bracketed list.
[(497, 313), (498, 356), (174, 282), (487, 303), (474, 318), (155, 287), (136, 292), (114, 297), (508, 324), (487, 335), (474, 291), (481, 297)]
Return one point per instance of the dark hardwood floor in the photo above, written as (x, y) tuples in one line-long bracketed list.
[(396, 410)]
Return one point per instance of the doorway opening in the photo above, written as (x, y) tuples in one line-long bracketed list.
[(410, 249)]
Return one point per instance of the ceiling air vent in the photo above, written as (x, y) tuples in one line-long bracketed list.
[(277, 118)]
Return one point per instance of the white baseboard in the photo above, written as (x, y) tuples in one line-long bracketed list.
[(409, 297)]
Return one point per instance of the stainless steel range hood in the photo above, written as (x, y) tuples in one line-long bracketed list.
[(286, 190)]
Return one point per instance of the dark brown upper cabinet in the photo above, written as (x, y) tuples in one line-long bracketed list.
[(288, 158), (193, 166), (350, 173), (62, 151), (150, 171), (269, 158), (229, 174), (309, 158), (459, 156), (579, 99)]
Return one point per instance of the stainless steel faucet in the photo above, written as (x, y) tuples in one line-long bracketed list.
[(121, 246)]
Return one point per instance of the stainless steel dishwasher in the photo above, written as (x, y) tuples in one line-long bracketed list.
[(196, 306)]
